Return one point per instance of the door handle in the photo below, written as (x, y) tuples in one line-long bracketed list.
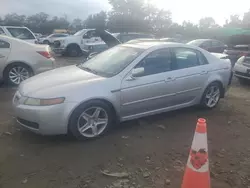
[(204, 72), (168, 79)]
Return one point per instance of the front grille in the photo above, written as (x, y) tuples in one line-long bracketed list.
[(242, 74), (56, 44), (28, 123)]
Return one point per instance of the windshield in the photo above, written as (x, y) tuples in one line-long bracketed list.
[(78, 33), (112, 61)]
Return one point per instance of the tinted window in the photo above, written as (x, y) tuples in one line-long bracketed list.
[(206, 44), (4, 44), (156, 62), (90, 34), (216, 43), (21, 33), (2, 32), (186, 58)]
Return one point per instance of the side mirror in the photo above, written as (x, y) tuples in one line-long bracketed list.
[(138, 72)]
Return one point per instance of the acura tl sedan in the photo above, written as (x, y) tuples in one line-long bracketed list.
[(122, 83)]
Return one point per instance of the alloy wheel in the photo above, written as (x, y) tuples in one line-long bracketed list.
[(212, 96), (18, 74), (92, 122)]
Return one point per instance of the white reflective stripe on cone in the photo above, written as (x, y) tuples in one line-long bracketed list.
[(199, 141)]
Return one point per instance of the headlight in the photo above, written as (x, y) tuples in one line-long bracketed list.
[(43, 102)]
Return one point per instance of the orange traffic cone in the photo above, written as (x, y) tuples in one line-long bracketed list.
[(197, 170)]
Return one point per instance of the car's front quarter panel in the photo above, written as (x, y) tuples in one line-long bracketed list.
[(107, 89)]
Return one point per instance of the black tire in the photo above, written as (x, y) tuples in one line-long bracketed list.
[(72, 126), (73, 50), (204, 100), (7, 70), (243, 81)]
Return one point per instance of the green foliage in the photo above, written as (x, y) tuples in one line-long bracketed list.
[(131, 16)]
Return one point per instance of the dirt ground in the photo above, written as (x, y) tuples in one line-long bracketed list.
[(150, 152)]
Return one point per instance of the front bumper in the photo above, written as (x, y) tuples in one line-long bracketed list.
[(241, 71), (44, 120)]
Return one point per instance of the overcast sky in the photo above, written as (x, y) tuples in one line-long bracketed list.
[(191, 10)]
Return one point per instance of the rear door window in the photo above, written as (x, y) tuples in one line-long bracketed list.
[(21, 33), (185, 58)]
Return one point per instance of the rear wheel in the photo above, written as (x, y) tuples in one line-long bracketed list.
[(211, 95), (16, 73), (91, 120)]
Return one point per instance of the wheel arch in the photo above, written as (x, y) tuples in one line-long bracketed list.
[(220, 84), (108, 102), (73, 44), (17, 62)]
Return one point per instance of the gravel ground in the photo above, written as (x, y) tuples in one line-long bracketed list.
[(149, 152)]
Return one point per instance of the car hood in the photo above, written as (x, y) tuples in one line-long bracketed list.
[(61, 77), (108, 38)]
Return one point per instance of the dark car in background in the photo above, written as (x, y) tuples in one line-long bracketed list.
[(210, 45), (237, 51)]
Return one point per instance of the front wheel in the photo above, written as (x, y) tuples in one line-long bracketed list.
[(243, 81), (73, 51), (91, 120), (211, 95)]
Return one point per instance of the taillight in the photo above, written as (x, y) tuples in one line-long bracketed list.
[(243, 54), (45, 54)]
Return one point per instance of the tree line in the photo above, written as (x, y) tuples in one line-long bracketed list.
[(127, 16)]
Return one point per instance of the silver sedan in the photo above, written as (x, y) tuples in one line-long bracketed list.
[(125, 82)]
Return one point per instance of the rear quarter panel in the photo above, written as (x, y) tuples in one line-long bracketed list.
[(27, 53), (219, 70)]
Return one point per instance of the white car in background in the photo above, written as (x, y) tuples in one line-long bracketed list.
[(23, 33), (20, 60), (74, 45), (242, 69), (51, 38)]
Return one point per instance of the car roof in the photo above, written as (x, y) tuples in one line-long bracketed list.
[(151, 44)]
